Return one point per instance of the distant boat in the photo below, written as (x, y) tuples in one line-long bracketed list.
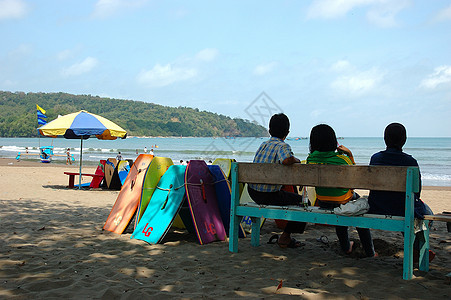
[(46, 153)]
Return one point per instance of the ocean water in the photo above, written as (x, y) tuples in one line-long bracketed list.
[(433, 154)]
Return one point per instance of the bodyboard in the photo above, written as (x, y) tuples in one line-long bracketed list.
[(223, 195), (156, 169), (95, 183), (225, 164), (163, 207), (110, 166), (178, 222), (123, 167), (128, 199), (202, 202), (246, 222), (185, 216)]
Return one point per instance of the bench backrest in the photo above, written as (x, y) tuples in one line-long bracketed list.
[(383, 178)]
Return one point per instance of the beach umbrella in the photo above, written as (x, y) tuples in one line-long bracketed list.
[(82, 125)]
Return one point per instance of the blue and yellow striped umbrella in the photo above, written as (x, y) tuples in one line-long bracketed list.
[(82, 125)]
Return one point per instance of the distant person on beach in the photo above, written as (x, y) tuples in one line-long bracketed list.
[(275, 150), (324, 149), (68, 157), (137, 152), (145, 149), (151, 151), (393, 203), (119, 156)]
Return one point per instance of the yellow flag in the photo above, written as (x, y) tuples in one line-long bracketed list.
[(40, 109)]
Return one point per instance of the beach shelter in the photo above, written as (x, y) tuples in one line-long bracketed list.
[(82, 125)]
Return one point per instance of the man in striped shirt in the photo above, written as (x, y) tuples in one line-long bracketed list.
[(275, 150)]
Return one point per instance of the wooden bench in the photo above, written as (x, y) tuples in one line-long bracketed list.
[(72, 177), (385, 178)]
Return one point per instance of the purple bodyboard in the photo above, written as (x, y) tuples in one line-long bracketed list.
[(202, 202)]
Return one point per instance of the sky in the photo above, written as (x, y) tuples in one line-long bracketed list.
[(357, 65)]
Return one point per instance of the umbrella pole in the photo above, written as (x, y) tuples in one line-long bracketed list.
[(81, 155)]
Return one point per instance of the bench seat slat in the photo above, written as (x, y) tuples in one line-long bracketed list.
[(390, 224)]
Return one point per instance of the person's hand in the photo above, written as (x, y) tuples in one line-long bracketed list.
[(343, 149)]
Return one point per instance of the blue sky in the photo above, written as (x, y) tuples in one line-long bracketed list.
[(356, 65)]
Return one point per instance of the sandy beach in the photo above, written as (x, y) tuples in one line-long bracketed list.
[(52, 247)]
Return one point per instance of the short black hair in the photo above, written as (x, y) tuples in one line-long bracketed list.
[(395, 136), (322, 138), (279, 126)]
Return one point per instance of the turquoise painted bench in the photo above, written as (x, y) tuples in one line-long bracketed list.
[(384, 178)]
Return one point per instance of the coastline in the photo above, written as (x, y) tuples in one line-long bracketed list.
[(53, 246)]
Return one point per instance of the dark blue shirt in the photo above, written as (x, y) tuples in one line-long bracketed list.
[(393, 203)]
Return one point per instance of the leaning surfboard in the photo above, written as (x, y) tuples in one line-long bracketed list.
[(163, 207), (246, 222), (128, 199), (223, 195), (156, 169), (225, 164), (95, 183), (110, 166), (123, 167), (202, 202)]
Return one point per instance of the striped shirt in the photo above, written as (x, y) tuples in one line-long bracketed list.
[(275, 151)]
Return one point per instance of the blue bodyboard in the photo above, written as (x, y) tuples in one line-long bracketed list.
[(223, 195), (163, 206)]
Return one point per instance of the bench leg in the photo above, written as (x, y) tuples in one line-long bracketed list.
[(71, 181), (255, 234), (233, 233), (408, 254), (423, 238)]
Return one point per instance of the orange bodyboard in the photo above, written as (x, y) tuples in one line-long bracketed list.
[(128, 199)]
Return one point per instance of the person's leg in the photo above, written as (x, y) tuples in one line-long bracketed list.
[(343, 238), (295, 227), (367, 241), (281, 198)]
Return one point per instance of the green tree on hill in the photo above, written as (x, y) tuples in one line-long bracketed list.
[(18, 116)]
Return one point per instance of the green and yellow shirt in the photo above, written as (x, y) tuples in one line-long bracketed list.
[(333, 195)]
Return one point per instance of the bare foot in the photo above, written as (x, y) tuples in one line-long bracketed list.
[(351, 244)]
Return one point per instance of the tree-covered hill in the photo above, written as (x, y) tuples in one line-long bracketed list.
[(18, 116)]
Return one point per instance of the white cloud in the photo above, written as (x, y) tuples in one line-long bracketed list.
[(107, 8), (63, 55), (161, 76), (380, 12), (341, 65), (208, 54), (264, 69), (444, 14), (80, 68), (12, 9), (383, 15), (441, 75), (358, 83), (330, 9)]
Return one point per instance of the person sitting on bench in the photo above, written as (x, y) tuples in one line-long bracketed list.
[(275, 150), (393, 203), (324, 149)]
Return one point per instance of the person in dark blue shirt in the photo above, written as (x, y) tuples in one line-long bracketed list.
[(393, 203)]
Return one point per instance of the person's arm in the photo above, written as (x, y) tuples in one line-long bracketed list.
[(343, 149), (290, 160)]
